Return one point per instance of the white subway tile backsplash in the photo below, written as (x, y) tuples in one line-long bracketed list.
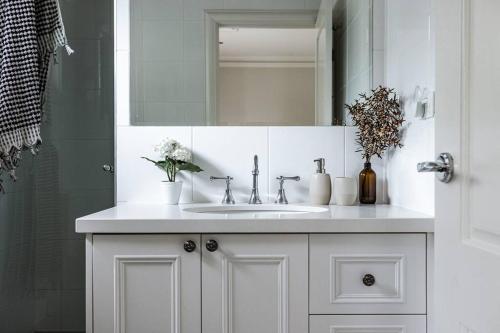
[(138, 180), (407, 27), (378, 78), (122, 88), (229, 151), (292, 151), (417, 193)]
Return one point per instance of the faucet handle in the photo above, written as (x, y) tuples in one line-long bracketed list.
[(228, 198), (281, 198), (227, 178)]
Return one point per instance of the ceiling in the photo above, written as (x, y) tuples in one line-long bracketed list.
[(267, 45)]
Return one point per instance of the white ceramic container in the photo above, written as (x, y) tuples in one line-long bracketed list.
[(345, 191), (320, 189), (172, 192)]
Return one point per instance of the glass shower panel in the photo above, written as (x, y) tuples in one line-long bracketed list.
[(42, 259)]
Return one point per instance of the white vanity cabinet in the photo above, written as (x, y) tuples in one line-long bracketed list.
[(249, 283), (266, 283), (365, 269)]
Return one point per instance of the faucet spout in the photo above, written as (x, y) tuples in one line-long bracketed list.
[(254, 197)]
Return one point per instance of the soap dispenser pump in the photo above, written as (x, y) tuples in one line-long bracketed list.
[(320, 189)]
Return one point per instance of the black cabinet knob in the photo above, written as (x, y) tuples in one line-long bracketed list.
[(212, 245), (368, 280), (189, 246)]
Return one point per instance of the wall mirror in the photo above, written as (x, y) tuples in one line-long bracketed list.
[(183, 66)]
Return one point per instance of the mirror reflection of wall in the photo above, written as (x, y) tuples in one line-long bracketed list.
[(266, 76), (266, 73), (166, 59), (352, 53)]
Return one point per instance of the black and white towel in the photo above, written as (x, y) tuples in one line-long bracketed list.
[(30, 33)]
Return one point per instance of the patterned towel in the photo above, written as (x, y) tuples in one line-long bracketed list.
[(30, 32)]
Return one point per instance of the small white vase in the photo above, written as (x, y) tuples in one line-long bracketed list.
[(172, 192), (345, 191)]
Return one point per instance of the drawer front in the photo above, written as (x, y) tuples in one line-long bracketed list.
[(368, 324), (368, 274)]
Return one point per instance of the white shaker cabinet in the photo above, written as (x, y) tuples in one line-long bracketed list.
[(150, 283), (146, 284), (255, 283), (265, 283)]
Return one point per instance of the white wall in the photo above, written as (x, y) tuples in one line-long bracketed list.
[(273, 95), (410, 62)]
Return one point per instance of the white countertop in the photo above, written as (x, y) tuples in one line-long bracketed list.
[(143, 218)]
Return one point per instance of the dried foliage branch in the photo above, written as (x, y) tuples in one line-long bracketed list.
[(379, 120)]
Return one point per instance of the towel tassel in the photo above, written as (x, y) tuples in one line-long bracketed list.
[(69, 50)]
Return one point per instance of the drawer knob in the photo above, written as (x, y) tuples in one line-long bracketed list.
[(189, 246), (212, 245), (368, 280)]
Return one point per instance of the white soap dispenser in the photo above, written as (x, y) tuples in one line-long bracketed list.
[(320, 189)]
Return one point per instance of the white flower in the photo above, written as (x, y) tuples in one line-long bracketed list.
[(167, 148), (174, 150), (181, 154)]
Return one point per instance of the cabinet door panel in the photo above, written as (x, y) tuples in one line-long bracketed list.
[(368, 274), (368, 324), (146, 283), (255, 283)]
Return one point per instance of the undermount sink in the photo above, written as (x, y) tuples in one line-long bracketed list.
[(255, 210)]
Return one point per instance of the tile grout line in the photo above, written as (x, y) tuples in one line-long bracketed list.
[(191, 129), (345, 151), (268, 165)]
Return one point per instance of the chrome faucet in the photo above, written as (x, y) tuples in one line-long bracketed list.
[(281, 198), (228, 198), (254, 197)]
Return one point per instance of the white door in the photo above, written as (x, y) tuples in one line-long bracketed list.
[(323, 70), (255, 283), (146, 284), (468, 126)]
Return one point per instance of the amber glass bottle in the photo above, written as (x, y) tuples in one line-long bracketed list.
[(367, 185)]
